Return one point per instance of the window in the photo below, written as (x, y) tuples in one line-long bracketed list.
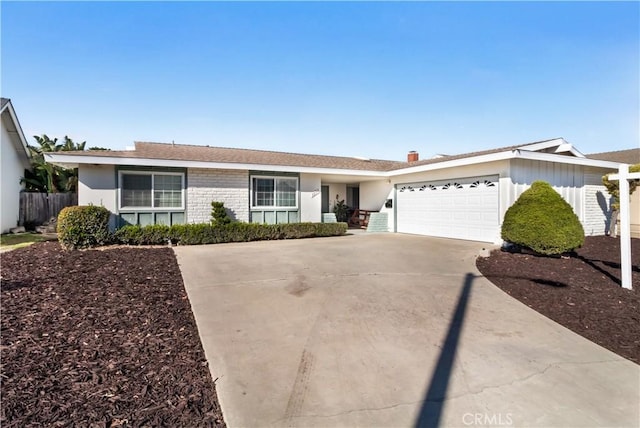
[(136, 190), (274, 192), (151, 190), (167, 191)]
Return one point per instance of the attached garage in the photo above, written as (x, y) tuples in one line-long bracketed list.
[(461, 208)]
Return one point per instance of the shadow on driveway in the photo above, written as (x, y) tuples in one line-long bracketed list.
[(432, 407)]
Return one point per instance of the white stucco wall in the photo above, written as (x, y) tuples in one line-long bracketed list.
[(374, 194), (500, 168), (336, 189), (207, 185), (97, 185), (634, 206), (310, 198), (12, 170)]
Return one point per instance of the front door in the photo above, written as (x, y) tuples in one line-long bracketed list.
[(325, 199), (353, 197)]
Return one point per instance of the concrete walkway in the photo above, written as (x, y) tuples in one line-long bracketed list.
[(390, 330)]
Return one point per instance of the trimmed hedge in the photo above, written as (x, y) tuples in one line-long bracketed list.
[(196, 234), (543, 221), (83, 226)]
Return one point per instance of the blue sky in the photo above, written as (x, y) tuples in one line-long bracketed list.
[(354, 79)]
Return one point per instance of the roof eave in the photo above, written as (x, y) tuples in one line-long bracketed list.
[(73, 161), (551, 157), (492, 157), (534, 147), (8, 107)]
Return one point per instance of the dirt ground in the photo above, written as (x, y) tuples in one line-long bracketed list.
[(582, 292), (100, 338)]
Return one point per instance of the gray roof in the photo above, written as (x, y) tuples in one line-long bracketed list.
[(4, 102), (169, 151), (630, 156)]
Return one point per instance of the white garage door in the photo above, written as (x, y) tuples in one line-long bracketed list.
[(465, 208)]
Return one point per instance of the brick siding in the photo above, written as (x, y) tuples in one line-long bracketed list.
[(207, 185)]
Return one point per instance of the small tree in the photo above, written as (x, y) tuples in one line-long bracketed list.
[(543, 221), (219, 214), (614, 190)]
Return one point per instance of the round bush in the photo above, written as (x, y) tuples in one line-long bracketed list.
[(543, 221), (83, 227)]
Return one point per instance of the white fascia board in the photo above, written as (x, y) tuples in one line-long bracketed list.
[(454, 163), (544, 145), (72, 161), (16, 123), (550, 157), (575, 152), (562, 145)]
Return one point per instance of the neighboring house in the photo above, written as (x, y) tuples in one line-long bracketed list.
[(462, 196), (14, 156), (632, 157)]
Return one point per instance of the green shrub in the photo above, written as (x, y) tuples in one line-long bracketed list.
[(83, 227), (341, 210), (157, 234), (219, 214), (203, 233), (543, 221)]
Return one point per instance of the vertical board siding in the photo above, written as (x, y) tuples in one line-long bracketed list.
[(580, 186), (566, 179), (38, 208)]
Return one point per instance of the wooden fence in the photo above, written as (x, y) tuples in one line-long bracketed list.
[(38, 208)]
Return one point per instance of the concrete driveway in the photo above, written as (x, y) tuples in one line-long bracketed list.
[(390, 330)]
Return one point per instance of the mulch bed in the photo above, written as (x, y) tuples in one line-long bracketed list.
[(100, 338), (582, 292)]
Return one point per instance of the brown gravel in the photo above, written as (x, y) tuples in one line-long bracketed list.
[(100, 339)]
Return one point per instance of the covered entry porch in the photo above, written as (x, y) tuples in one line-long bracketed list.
[(353, 199)]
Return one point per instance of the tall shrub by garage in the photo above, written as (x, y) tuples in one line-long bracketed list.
[(543, 221), (83, 226)]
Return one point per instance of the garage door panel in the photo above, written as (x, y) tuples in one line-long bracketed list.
[(458, 208)]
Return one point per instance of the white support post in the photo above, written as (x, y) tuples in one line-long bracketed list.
[(625, 226), (623, 176)]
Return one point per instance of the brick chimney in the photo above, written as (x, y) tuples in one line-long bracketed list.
[(412, 156)]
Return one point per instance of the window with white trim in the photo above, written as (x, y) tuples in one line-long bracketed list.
[(274, 192), (151, 190)]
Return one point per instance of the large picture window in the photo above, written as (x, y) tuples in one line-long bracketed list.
[(274, 192), (151, 190)]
